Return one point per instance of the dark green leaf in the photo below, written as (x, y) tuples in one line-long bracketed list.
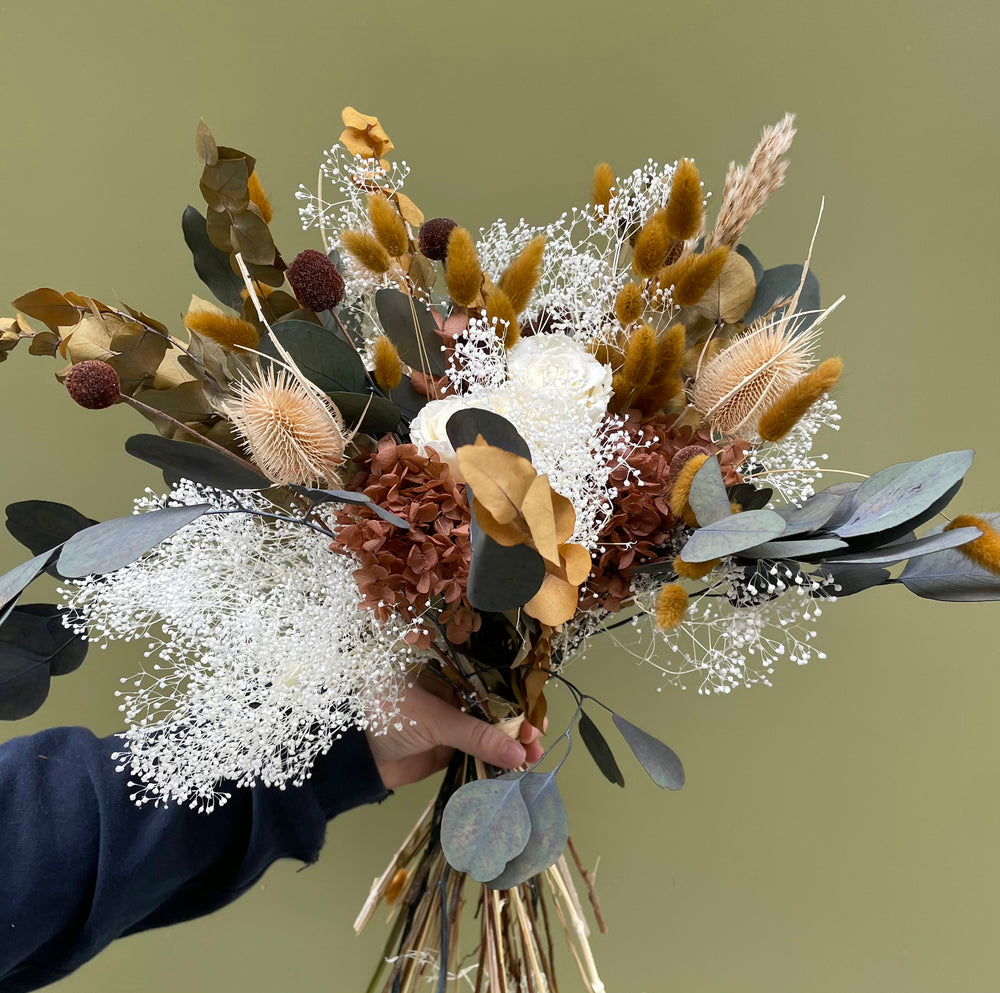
[(411, 327), (109, 546), (732, 535), (708, 497), (850, 579), (549, 829), (485, 824), (40, 525), (464, 426), (778, 285), (348, 496), (408, 399), (905, 494), (38, 628), (501, 578), (755, 263), (324, 357), (661, 762), (749, 497), (952, 575), (24, 682), (600, 750), (199, 463), (212, 265), (380, 417)]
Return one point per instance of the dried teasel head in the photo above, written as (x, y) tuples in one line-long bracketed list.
[(294, 434), (742, 381)]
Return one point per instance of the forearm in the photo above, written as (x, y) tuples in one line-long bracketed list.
[(81, 865)]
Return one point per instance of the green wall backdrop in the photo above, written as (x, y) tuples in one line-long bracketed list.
[(838, 831)]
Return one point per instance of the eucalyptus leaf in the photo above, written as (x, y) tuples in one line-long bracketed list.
[(464, 426), (661, 762), (38, 628), (794, 550), (549, 829), (411, 327), (14, 583), (210, 263), (324, 357), (349, 496), (485, 824), (708, 497), (812, 514), (501, 578), (899, 551), (109, 546), (951, 575), (749, 497), (24, 682), (366, 412), (778, 285), (732, 535), (600, 750), (199, 463), (906, 494), (755, 263), (408, 399)]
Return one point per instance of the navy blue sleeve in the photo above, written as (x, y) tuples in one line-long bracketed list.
[(81, 865)]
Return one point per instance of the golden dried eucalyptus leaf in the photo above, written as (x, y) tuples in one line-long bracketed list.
[(539, 514), (138, 351), (556, 601), (499, 479), (514, 533), (170, 373), (730, 296), (44, 343), (185, 403), (204, 145), (90, 339), (250, 236), (86, 303), (421, 270), (50, 307), (408, 210)]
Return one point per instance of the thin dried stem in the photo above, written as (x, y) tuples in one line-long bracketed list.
[(591, 890)]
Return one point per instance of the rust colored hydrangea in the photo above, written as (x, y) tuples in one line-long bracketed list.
[(405, 571), (642, 526)]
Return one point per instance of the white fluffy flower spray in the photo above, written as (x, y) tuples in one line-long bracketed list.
[(262, 657)]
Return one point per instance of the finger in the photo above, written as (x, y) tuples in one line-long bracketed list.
[(529, 733), (413, 768), (476, 737), (533, 752)]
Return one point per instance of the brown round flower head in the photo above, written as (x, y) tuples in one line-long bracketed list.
[(434, 234), (93, 384), (317, 282), (641, 528), (402, 571)]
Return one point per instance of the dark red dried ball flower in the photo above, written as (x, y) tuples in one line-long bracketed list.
[(317, 282), (434, 235), (93, 384)]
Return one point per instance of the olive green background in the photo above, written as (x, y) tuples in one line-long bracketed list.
[(838, 831)]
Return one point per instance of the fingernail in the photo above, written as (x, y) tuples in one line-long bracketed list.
[(512, 755)]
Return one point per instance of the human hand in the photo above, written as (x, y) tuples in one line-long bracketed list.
[(432, 729)]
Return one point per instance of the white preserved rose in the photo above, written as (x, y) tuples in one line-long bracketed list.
[(428, 429)]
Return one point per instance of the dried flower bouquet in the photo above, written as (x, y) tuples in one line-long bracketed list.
[(423, 453)]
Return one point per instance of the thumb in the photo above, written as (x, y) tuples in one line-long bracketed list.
[(477, 738)]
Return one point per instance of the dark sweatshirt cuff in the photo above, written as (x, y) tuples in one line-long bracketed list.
[(346, 776)]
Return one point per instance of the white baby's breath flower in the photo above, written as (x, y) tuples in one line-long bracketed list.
[(262, 657)]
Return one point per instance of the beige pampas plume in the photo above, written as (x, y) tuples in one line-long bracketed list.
[(748, 187)]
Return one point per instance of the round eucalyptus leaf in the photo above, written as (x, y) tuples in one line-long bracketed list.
[(485, 824), (708, 497), (732, 534), (661, 762)]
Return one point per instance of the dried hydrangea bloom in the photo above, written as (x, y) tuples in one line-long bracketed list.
[(402, 572), (641, 525)]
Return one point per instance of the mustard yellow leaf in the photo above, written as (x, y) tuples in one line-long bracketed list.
[(499, 479)]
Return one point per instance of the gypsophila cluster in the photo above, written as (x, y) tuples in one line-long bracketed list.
[(738, 627), (260, 658), (789, 466)]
